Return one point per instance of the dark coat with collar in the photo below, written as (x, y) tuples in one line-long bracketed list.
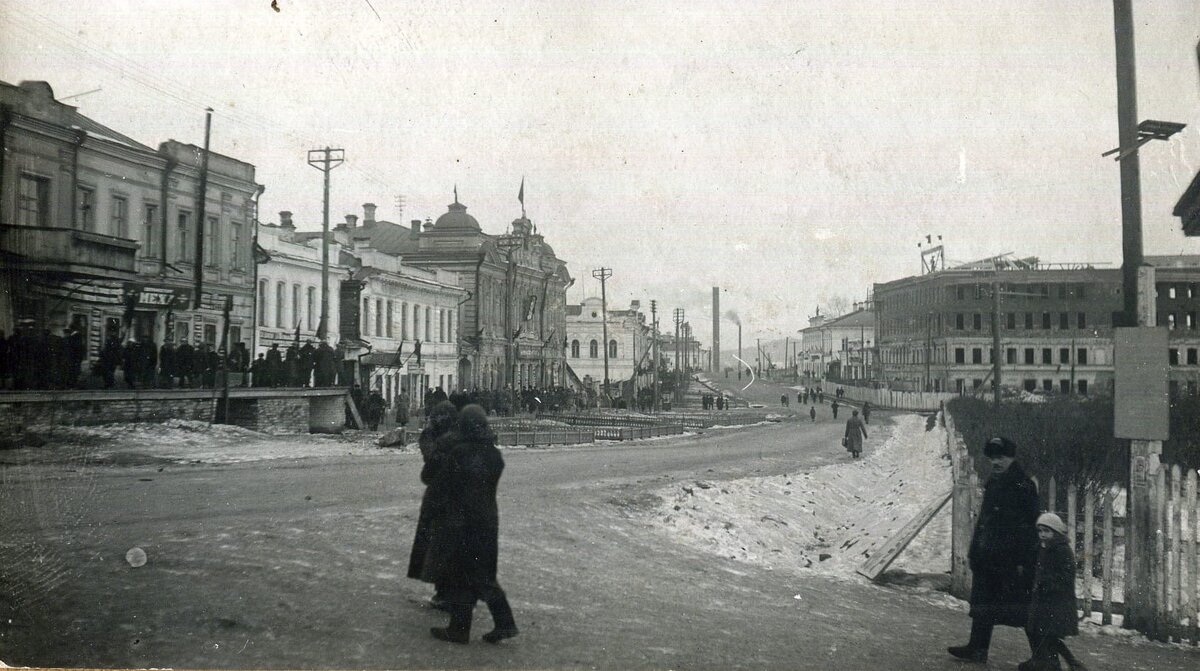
[(464, 543), (435, 449), (1003, 554), (1052, 611)]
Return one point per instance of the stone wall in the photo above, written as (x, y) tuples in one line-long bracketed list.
[(266, 410)]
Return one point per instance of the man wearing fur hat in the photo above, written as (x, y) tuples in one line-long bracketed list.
[(1003, 552)]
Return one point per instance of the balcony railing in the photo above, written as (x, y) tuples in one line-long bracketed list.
[(69, 250)]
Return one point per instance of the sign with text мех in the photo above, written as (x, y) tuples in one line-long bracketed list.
[(1140, 400)]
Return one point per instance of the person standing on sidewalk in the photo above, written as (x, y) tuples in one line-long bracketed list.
[(435, 442), (855, 432), (1052, 614), (1003, 553), (465, 541)]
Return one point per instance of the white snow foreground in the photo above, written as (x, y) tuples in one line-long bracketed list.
[(828, 520)]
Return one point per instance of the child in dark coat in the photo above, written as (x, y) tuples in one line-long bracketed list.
[(1052, 613)]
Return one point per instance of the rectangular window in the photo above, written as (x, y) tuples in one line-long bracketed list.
[(1173, 356), (235, 245), (1064, 355), (404, 321), (211, 255), (210, 334), (1190, 321), (295, 307), (235, 335), (262, 302), (977, 321), (366, 316), (428, 326), (120, 217), (1170, 321), (1062, 291), (1047, 385), (1064, 321), (976, 355), (1010, 321), (1081, 356), (1081, 320), (416, 325), (310, 313), (1029, 385), (1047, 356), (1045, 321), (150, 230), (388, 320), (960, 292), (85, 208), (1191, 356), (378, 316), (1081, 291), (1010, 355), (183, 242), (1028, 321), (1064, 386), (1171, 291), (1083, 387), (33, 201), (280, 288), (958, 321), (958, 385)]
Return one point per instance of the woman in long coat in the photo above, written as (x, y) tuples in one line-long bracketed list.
[(435, 442), (1003, 553), (464, 547)]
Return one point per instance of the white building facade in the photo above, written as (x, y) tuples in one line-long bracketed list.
[(289, 287), (628, 345)]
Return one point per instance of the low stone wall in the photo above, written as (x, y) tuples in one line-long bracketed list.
[(267, 410)]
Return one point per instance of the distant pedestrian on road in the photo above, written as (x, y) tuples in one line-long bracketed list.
[(464, 545), (1003, 552), (783, 400), (855, 432), (866, 413), (834, 406), (1052, 608), (812, 413), (798, 397)]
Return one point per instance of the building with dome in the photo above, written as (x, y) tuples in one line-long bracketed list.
[(511, 325)]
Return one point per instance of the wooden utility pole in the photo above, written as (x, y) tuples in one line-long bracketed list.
[(654, 349), (603, 274), (202, 198), (325, 160)]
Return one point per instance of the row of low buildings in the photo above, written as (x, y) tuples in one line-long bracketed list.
[(99, 233), (934, 331)]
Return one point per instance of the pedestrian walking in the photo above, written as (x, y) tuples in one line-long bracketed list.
[(866, 413), (1003, 552), (834, 406), (374, 409), (783, 398), (812, 413), (855, 432), (464, 544), (435, 443), (402, 409), (1052, 613)]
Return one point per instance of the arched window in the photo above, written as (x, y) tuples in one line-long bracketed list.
[(594, 349), (574, 349), (612, 349)]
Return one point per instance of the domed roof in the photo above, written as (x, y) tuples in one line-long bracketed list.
[(456, 219)]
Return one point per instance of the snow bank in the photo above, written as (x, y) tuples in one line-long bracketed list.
[(829, 520)]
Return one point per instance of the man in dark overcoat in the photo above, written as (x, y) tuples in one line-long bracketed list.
[(275, 370), (184, 356), (166, 364), (1003, 553), (325, 371), (308, 360)]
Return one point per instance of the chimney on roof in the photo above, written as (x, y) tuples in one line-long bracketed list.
[(351, 220), (285, 220), (428, 224), (416, 228), (368, 213)]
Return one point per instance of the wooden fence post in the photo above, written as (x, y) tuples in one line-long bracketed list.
[(1175, 558), (1089, 523), (1157, 565), (1107, 577)]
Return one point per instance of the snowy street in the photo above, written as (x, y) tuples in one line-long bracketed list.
[(255, 559)]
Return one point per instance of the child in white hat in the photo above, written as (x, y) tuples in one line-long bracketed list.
[(1052, 613)]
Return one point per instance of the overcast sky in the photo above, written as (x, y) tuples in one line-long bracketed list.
[(789, 152)]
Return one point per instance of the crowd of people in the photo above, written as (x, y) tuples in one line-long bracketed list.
[(456, 544)]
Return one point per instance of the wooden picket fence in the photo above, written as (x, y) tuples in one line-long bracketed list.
[(1098, 539)]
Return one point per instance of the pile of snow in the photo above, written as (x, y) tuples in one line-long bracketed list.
[(829, 520)]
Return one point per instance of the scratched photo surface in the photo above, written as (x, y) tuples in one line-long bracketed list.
[(670, 248)]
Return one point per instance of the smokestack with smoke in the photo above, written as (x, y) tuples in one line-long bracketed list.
[(733, 317)]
